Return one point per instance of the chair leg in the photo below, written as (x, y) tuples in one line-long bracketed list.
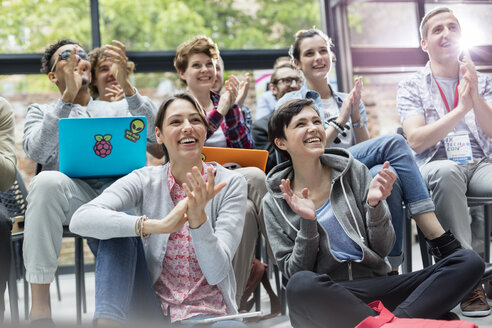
[(78, 277), (13, 295), (407, 243), (57, 281), (84, 296), (26, 296), (426, 258), (486, 229), (257, 294)]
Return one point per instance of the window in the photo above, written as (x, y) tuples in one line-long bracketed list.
[(30, 25), (383, 24)]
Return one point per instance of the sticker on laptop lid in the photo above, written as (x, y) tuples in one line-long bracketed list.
[(136, 127), (103, 146)]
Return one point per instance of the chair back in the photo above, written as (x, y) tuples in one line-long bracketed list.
[(14, 199)]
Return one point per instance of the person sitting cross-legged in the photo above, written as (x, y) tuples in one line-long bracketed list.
[(330, 230)]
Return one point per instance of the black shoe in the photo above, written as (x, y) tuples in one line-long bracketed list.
[(443, 246)]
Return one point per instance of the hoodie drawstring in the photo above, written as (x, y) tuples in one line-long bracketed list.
[(350, 208)]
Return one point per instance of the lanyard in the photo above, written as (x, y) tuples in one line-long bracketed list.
[(456, 96)]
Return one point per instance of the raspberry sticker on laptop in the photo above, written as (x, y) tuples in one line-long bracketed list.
[(103, 147), (136, 127)]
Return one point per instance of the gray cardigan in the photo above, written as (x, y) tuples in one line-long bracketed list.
[(41, 126), (300, 244), (145, 191)]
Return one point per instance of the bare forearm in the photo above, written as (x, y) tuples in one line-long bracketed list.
[(360, 134), (426, 136)]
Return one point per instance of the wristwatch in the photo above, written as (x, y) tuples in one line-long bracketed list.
[(359, 124)]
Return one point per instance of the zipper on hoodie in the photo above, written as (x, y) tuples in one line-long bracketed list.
[(349, 265)]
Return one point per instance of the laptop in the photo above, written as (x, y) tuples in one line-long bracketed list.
[(102, 147), (236, 157)]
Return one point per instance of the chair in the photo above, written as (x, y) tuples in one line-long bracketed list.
[(472, 201), (15, 202)]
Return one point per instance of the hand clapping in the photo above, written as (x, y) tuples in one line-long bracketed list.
[(381, 185), (198, 193)]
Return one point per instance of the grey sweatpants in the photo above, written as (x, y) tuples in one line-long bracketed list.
[(449, 184), (52, 200)]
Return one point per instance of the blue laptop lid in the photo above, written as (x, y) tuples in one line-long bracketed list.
[(103, 146)]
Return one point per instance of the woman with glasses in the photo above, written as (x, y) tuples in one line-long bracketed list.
[(344, 119)]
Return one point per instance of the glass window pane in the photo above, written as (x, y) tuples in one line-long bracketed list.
[(474, 20), (31, 25), (383, 24), (164, 24)]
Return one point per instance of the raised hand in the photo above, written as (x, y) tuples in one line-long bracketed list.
[(350, 105), (243, 90), (465, 93), (73, 77), (114, 92), (227, 99), (469, 72), (381, 185), (198, 193), (116, 53), (303, 205)]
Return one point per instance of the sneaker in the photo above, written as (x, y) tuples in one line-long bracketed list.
[(475, 304)]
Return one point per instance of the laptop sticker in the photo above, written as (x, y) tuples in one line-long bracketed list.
[(103, 147), (136, 126)]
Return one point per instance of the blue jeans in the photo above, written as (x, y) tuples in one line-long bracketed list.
[(124, 289), (410, 188)]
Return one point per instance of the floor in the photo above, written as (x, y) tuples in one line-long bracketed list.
[(64, 313)]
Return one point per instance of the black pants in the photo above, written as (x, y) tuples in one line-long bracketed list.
[(317, 301), (5, 231)]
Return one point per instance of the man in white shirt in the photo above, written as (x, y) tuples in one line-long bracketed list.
[(446, 110)]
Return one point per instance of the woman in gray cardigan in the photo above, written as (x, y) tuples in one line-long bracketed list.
[(330, 231), (190, 215)]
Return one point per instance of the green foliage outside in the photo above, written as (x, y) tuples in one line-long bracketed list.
[(31, 25)]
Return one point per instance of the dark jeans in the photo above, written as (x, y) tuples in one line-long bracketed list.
[(317, 301), (5, 231)]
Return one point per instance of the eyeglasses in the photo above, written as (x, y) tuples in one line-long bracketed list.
[(289, 80), (64, 55)]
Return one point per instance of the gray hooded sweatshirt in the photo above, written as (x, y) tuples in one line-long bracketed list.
[(300, 244)]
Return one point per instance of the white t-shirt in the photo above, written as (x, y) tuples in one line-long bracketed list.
[(217, 139), (331, 111)]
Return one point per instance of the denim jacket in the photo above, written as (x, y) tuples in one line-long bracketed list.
[(419, 95), (305, 92)]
